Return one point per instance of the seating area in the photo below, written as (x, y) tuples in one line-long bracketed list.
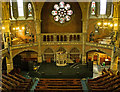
[(59, 85), (107, 82), (15, 83)]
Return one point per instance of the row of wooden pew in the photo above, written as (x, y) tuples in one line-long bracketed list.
[(59, 85), (108, 82), (15, 83)]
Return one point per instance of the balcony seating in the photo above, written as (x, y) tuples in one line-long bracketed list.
[(15, 83), (59, 85), (108, 82)]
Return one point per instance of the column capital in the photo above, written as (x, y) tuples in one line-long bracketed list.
[(38, 20)]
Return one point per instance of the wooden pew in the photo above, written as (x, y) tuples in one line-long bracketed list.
[(58, 90), (13, 85), (23, 78), (15, 78), (95, 79), (10, 79)]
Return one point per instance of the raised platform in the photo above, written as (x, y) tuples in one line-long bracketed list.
[(50, 70)]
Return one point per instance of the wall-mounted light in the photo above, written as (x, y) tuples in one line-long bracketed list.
[(3, 28), (13, 28), (111, 25), (17, 28), (23, 28), (115, 24), (98, 23), (105, 23), (108, 23)]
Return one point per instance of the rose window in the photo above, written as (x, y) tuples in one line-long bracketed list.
[(62, 12)]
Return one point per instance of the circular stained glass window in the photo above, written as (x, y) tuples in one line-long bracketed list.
[(62, 12)]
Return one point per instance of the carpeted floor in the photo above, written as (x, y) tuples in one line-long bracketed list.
[(50, 70)]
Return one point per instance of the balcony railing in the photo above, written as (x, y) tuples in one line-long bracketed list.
[(100, 45), (61, 38)]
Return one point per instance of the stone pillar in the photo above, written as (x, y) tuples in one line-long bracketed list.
[(54, 57), (98, 59), (55, 38), (114, 61), (6, 32), (68, 38), (6, 36), (84, 35), (112, 58), (38, 37), (9, 63)]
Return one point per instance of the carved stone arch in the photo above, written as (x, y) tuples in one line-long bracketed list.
[(48, 55), (75, 50), (75, 54), (61, 49), (6, 55), (101, 50), (37, 9), (23, 51), (48, 50)]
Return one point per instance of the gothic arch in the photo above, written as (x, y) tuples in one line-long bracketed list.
[(48, 50), (23, 51), (61, 49), (101, 50)]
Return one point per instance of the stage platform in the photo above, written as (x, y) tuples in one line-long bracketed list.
[(50, 70)]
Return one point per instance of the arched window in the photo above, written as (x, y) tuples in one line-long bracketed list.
[(103, 6), (11, 9), (20, 7), (93, 8), (29, 9), (21, 10)]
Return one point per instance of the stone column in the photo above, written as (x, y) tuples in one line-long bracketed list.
[(55, 38), (116, 15), (5, 31), (38, 37), (54, 57), (9, 62), (68, 38), (84, 35)]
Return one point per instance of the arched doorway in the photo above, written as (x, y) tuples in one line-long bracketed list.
[(25, 60), (75, 55), (48, 55), (98, 57)]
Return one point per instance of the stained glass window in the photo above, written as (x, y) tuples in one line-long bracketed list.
[(93, 8), (11, 8), (29, 9), (20, 7), (103, 4), (61, 12)]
